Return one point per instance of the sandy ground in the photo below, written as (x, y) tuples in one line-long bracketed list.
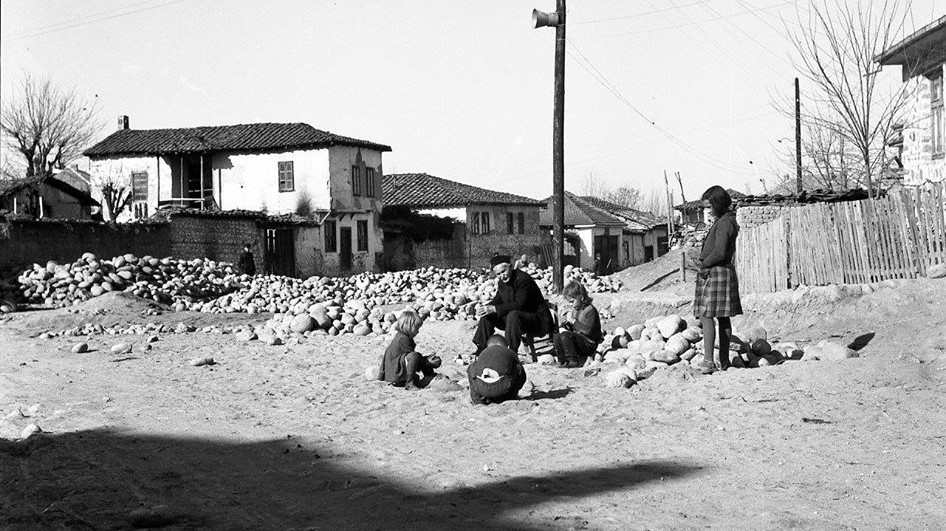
[(293, 437)]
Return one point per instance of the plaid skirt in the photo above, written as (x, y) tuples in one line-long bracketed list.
[(717, 295)]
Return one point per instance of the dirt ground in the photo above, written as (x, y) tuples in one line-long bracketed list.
[(294, 437)]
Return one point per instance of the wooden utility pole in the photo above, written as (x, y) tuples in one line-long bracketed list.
[(557, 19), (798, 184), (669, 210), (683, 197)]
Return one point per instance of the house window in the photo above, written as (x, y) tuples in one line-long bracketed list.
[(139, 186), (522, 223), (936, 112), (510, 226), (370, 182), (475, 225), (287, 180), (362, 235), (355, 180), (331, 240), (484, 222)]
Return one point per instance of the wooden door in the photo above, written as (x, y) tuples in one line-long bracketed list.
[(280, 256), (344, 248)]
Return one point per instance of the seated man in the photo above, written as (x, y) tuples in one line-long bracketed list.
[(518, 308), (496, 375)]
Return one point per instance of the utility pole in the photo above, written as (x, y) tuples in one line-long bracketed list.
[(557, 19), (683, 197), (798, 185), (669, 210)]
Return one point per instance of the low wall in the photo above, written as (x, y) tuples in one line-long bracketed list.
[(24, 242)]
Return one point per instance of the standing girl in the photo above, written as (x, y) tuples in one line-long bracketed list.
[(581, 325), (400, 364), (717, 288)]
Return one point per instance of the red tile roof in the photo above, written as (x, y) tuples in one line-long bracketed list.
[(636, 219), (579, 212), (243, 137), (419, 190)]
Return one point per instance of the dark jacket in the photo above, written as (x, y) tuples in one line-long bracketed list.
[(523, 294), (588, 324), (247, 264), (719, 247)]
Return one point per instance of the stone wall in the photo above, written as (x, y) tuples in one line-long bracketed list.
[(498, 240), (753, 216), (217, 238), (919, 166)]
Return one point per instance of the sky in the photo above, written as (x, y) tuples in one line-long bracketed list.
[(462, 91)]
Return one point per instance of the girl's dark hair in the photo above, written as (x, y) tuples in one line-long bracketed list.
[(719, 200), (576, 291)]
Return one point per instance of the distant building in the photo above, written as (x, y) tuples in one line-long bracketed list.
[(691, 212), (484, 222), (273, 168), (645, 235), (589, 230), (922, 58), (63, 195)]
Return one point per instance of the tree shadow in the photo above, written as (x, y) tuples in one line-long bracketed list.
[(861, 341), (552, 394), (95, 479), (660, 279)]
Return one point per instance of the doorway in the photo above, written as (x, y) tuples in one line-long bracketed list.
[(280, 256), (344, 248)]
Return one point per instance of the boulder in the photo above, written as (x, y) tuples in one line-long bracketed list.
[(634, 332), (546, 359), (670, 325), (692, 334), (677, 344), (79, 348), (665, 356), (828, 351), (760, 347), (302, 323), (936, 271), (372, 373), (620, 378), (121, 348)]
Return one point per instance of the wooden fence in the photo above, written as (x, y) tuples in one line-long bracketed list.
[(899, 236)]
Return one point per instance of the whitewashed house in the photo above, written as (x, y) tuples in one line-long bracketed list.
[(279, 169)]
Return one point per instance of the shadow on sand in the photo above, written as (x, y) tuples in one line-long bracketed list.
[(95, 479)]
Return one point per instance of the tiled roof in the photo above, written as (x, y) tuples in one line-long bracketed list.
[(14, 186), (636, 219), (579, 212), (295, 219), (244, 137), (806, 197), (698, 203), (419, 190)]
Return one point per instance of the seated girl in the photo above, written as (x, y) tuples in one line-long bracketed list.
[(581, 327), (401, 363)]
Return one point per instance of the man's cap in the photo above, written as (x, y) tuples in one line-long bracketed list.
[(498, 259)]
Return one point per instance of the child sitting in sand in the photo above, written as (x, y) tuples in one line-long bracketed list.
[(401, 363), (496, 375), (581, 327)]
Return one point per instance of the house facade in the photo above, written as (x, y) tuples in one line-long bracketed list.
[(922, 58), (589, 231), (277, 169), (645, 235), (431, 221)]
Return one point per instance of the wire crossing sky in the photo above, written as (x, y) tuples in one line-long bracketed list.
[(460, 91)]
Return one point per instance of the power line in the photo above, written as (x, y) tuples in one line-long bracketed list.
[(589, 67), (634, 15), (677, 26), (87, 19)]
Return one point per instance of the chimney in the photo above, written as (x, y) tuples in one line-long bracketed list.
[(122, 122)]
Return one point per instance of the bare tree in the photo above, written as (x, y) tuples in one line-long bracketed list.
[(46, 126), (115, 189), (625, 195), (836, 47), (656, 202), (593, 186)]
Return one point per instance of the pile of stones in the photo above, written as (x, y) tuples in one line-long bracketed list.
[(662, 341), (165, 280)]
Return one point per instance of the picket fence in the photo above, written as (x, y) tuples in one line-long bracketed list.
[(898, 236)]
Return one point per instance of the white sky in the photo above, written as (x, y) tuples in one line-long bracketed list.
[(460, 90)]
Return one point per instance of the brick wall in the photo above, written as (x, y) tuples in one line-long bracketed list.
[(24, 242)]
